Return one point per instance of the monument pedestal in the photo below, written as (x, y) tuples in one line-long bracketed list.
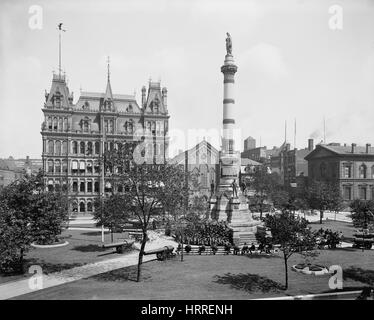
[(235, 211)]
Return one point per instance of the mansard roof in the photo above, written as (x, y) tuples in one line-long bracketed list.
[(154, 99), (59, 88)]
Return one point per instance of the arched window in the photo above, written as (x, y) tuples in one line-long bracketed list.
[(82, 187), (75, 186), (58, 166), (322, 169), (148, 127), (86, 126), (131, 126), (75, 147), (58, 148), (50, 166), (82, 147), (130, 108), (50, 185), (89, 148), (89, 186), (89, 206), (74, 166), (57, 186), (49, 123), (97, 147), (82, 167), (111, 126), (89, 167), (75, 206), (96, 187), (158, 128), (60, 124), (64, 166), (153, 127), (65, 124), (372, 174), (362, 171), (50, 147), (82, 207), (55, 123), (64, 148)]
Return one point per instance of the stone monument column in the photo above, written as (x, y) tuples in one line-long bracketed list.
[(228, 203), (229, 158)]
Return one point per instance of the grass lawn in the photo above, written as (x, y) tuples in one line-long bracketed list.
[(84, 247), (215, 277)]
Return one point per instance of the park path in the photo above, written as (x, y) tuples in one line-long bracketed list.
[(38, 282)]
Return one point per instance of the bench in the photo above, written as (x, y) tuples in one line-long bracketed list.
[(161, 253), (120, 246)]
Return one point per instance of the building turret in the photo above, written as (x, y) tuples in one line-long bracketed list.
[(144, 91), (164, 97)]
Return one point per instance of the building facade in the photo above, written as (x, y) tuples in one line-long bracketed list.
[(352, 167), (202, 164), (12, 169), (294, 166), (75, 135), (249, 143)]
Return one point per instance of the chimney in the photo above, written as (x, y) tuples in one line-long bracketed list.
[(144, 89), (368, 145), (164, 97), (354, 147), (310, 144)]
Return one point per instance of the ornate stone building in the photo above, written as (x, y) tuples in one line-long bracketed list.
[(74, 135)]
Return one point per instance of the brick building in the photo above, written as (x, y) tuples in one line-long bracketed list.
[(74, 135), (351, 166), (294, 171)]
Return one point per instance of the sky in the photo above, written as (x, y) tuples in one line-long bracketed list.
[(307, 60)]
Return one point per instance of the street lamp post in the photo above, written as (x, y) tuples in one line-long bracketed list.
[(183, 225)]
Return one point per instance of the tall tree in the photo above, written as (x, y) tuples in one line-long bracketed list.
[(323, 195), (362, 213), (111, 212), (29, 213), (292, 234), (263, 183), (147, 186)]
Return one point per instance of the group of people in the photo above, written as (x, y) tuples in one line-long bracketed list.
[(236, 250), (329, 238)]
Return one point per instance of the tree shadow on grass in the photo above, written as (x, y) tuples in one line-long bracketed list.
[(249, 282), (358, 274), (89, 248), (121, 275), (48, 267), (261, 256)]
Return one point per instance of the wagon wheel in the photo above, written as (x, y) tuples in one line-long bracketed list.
[(119, 249), (161, 256)]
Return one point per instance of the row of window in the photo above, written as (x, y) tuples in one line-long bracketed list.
[(347, 171), (57, 123), (363, 192), (83, 206), (362, 171), (82, 186), (90, 148)]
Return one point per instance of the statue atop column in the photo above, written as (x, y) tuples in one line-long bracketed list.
[(228, 44)]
